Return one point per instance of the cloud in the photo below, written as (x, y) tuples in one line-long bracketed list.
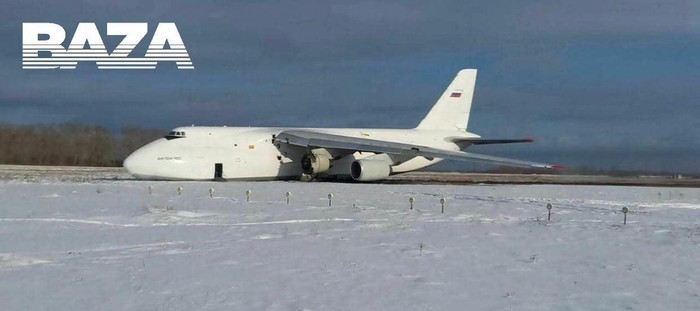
[(617, 77)]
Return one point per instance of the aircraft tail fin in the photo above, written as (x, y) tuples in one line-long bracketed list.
[(451, 111)]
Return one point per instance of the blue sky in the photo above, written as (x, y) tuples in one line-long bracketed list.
[(605, 84)]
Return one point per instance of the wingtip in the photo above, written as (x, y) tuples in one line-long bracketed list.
[(528, 139), (467, 70), (556, 167)]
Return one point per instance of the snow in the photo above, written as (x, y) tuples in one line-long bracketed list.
[(109, 245)]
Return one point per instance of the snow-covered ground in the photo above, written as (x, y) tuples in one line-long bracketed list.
[(109, 245)]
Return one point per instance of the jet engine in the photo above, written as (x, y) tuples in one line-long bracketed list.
[(370, 169), (315, 163)]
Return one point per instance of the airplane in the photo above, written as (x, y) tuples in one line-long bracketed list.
[(273, 153)]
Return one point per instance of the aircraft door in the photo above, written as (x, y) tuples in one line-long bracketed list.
[(218, 171)]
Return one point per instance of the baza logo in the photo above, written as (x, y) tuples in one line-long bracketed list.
[(49, 37)]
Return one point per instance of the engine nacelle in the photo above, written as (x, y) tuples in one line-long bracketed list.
[(370, 169), (313, 163)]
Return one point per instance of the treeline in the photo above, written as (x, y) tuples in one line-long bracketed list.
[(70, 144)]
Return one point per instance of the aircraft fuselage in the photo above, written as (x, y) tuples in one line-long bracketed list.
[(251, 153)]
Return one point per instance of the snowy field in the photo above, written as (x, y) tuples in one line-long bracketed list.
[(109, 245)]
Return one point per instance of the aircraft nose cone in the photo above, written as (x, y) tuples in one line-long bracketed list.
[(129, 163), (157, 160), (143, 163), (137, 163)]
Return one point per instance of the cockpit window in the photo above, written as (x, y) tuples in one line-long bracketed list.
[(175, 134)]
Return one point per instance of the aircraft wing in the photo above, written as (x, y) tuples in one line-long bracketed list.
[(323, 140)]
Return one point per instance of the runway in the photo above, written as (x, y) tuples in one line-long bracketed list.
[(563, 179), (87, 174)]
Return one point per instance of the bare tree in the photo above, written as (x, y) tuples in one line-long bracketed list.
[(70, 144)]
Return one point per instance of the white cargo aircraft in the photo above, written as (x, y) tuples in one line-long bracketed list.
[(266, 153)]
